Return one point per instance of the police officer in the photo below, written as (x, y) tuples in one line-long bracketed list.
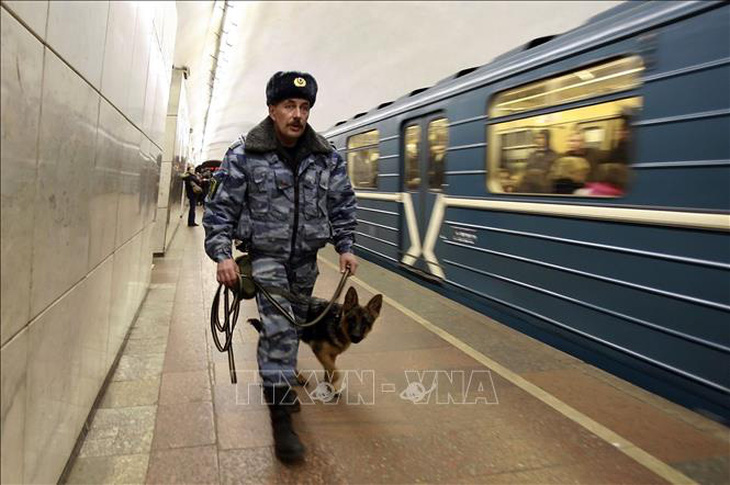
[(284, 192)]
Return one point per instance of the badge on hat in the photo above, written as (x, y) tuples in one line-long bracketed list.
[(300, 82)]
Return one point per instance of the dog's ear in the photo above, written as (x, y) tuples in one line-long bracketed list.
[(350, 298), (374, 305)]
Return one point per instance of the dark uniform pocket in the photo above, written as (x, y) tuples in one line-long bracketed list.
[(259, 192), (243, 228), (316, 234), (324, 183), (283, 197), (309, 187)]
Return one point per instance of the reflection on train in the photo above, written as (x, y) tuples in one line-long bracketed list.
[(575, 188)]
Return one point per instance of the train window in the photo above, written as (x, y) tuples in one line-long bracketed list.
[(413, 150), (580, 151), (438, 140), (363, 140), (598, 80), (362, 159)]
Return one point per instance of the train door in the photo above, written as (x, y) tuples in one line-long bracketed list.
[(424, 150)]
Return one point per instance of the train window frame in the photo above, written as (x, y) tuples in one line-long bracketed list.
[(581, 175), (372, 149)]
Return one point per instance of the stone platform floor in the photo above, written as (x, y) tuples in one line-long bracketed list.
[(436, 393)]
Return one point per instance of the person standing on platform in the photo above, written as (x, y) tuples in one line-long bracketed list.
[(283, 192), (193, 190)]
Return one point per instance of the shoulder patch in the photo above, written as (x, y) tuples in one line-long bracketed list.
[(239, 142), (213, 188)]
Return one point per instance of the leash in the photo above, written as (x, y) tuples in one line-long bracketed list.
[(289, 317), (231, 306), (229, 324)]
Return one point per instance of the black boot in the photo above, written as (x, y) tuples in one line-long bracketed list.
[(291, 402), (287, 446), (284, 396)]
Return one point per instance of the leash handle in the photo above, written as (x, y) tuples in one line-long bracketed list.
[(229, 324)]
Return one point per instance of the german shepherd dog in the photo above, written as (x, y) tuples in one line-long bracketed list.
[(343, 325)]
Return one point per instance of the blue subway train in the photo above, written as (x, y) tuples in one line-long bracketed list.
[(576, 188)]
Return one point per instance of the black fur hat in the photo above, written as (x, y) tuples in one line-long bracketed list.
[(291, 84)]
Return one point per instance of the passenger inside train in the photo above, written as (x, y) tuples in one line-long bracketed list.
[(590, 161), (438, 139), (561, 152)]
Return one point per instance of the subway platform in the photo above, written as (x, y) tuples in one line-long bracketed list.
[(436, 393)]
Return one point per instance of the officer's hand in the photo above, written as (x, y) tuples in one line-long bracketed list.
[(348, 260), (227, 273)]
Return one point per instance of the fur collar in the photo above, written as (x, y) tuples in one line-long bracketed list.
[(262, 139)]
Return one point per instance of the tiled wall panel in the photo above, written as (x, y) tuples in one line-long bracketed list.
[(135, 292), (158, 22), (159, 110), (153, 72), (67, 364), (169, 30), (120, 307), (92, 358), (125, 284), (65, 159), (13, 370), (34, 13), (155, 155), (145, 258), (84, 86), (22, 69), (150, 177), (105, 184), (129, 221), (115, 78), (77, 31), (137, 76), (52, 417)]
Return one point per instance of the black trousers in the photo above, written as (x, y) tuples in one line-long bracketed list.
[(191, 213)]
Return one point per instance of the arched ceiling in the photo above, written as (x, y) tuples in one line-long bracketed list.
[(361, 53)]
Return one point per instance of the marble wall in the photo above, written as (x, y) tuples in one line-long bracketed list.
[(175, 156), (85, 88)]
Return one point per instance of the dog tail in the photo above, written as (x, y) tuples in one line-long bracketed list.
[(255, 323)]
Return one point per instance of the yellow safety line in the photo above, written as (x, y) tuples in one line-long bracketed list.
[(622, 444)]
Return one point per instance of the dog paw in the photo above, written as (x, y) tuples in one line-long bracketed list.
[(338, 388), (323, 392)]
